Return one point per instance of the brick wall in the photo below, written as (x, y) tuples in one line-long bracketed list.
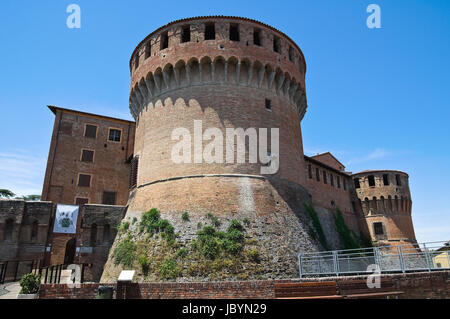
[(435, 285)]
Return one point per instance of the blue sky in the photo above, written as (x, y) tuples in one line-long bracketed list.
[(378, 98)]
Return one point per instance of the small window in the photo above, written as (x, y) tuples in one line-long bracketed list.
[(398, 180), (34, 231), (114, 135), (106, 234), (164, 41), (134, 172), (81, 201), (234, 32), (338, 178), (325, 180), (269, 104), (332, 180), (136, 61), (186, 34), (372, 181), (8, 232), (310, 171), (357, 184), (317, 175), (148, 50), (276, 44), (291, 54), (345, 184), (354, 206), (90, 131), (93, 239), (84, 180), (109, 198), (257, 37), (210, 31), (87, 156), (386, 180), (378, 228)]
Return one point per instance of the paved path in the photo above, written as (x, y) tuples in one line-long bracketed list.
[(9, 291)]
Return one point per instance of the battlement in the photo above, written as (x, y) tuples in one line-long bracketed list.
[(217, 51)]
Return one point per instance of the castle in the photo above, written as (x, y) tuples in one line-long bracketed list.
[(228, 73)]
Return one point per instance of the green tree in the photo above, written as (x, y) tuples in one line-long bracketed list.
[(6, 193)]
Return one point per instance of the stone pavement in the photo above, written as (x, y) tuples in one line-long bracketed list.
[(9, 291)]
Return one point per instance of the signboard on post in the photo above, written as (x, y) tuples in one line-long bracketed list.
[(66, 219)]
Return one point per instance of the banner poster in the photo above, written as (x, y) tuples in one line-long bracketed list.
[(66, 219)]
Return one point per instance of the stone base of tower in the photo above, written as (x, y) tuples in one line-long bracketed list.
[(273, 213)]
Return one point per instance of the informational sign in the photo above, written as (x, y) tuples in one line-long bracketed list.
[(66, 219)]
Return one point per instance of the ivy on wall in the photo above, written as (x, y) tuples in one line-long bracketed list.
[(347, 238), (317, 232)]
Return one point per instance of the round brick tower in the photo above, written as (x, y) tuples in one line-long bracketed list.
[(386, 203), (224, 73)]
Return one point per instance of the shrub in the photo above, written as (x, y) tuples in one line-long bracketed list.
[(185, 216), (134, 220), (170, 269), (253, 255), (145, 263), (246, 222), (30, 284), (123, 227), (125, 253), (152, 223), (182, 252)]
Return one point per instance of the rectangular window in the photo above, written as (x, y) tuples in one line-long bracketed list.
[(164, 41), (378, 228), (372, 181), (325, 180), (268, 104), (386, 180), (317, 175), (134, 172), (87, 156), (84, 180), (136, 61), (310, 171), (81, 201), (210, 31), (276, 44), (338, 181), (332, 180), (148, 50), (257, 37), (114, 135), (357, 184), (186, 34), (90, 131), (398, 180), (234, 32), (291, 54), (109, 198), (345, 184)]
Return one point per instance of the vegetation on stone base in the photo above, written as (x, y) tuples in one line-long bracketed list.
[(347, 238), (316, 232), (213, 253)]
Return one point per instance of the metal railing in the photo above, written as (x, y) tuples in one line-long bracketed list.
[(12, 271), (390, 259)]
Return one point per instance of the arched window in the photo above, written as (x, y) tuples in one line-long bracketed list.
[(402, 203), (367, 204), (383, 205), (396, 203), (390, 203), (93, 235), (9, 225), (34, 231), (106, 234), (374, 204)]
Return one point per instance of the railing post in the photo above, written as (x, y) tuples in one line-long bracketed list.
[(427, 257), (16, 271), (400, 258), (299, 265), (336, 263), (376, 254)]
